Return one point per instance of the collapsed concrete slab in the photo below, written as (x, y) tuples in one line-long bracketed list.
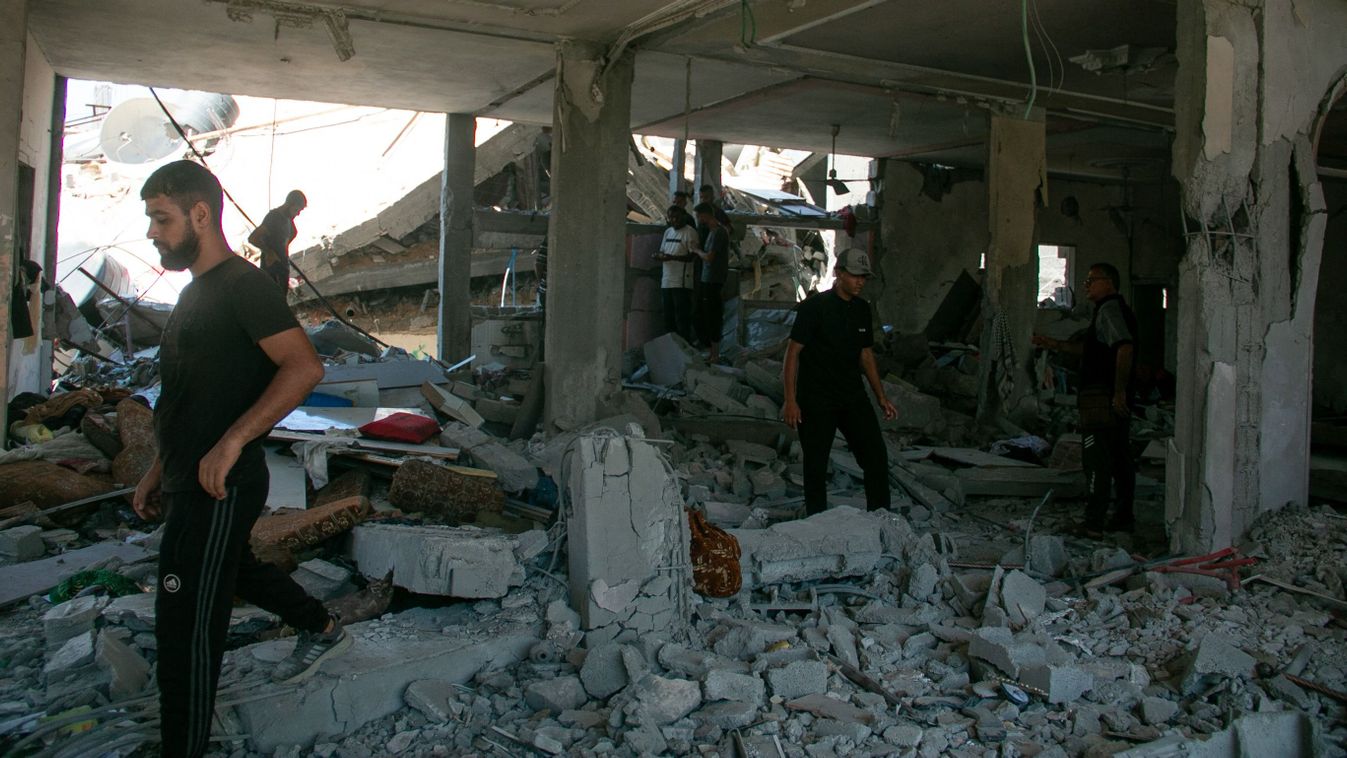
[(629, 545), (839, 542), (454, 562), (368, 682), (513, 471)]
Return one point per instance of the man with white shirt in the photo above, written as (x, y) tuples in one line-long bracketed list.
[(677, 251)]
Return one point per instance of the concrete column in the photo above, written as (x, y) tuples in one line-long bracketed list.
[(676, 177), (454, 331), (13, 50), (1016, 178), (709, 153), (1253, 88), (587, 263)]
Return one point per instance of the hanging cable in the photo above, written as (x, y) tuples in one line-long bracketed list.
[(1057, 53), (748, 25), (293, 266), (1028, 56)]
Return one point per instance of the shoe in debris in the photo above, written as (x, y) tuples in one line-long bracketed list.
[(310, 651)]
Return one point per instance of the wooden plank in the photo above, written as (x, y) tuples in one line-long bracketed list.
[(21, 580)]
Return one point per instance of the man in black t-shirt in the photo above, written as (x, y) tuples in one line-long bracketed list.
[(274, 235), (1104, 398), (831, 349), (233, 362), (715, 268)]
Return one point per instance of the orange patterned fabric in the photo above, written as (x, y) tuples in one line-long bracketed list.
[(715, 558)]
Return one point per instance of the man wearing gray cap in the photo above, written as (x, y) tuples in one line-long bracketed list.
[(831, 348)]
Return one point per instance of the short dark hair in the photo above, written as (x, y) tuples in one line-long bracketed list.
[(706, 208), (706, 188), (1109, 270), (683, 193), (296, 198), (186, 184), (674, 209)]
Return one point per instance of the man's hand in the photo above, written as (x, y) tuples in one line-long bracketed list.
[(1120, 405), (145, 501), (890, 412), (791, 414), (215, 467)]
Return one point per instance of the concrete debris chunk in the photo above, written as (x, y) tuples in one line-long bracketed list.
[(514, 472), (1157, 710), (71, 619), (696, 664), (659, 701), (1064, 684), (450, 404), (749, 638), (826, 707), (128, 673), (765, 377), (1215, 657), (996, 645), (1047, 555), (727, 714), (604, 672), (77, 652), (922, 580), (726, 685), (564, 693), (798, 679), (669, 357), (446, 561), (1022, 597), (323, 580), (839, 542), (903, 735), (22, 543), (436, 700)]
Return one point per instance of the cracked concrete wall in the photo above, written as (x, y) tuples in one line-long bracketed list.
[(1251, 87)]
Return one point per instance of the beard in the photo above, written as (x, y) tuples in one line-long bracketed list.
[(181, 256)]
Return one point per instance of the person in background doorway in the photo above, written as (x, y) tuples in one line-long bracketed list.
[(273, 237), (676, 253), (715, 260), (233, 361), (1105, 396), (831, 348)]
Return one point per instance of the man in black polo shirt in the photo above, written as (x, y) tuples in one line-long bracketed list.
[(234, 362), (1107, 388), (831, 348)]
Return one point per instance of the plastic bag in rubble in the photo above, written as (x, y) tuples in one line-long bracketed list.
[(1029, 449)]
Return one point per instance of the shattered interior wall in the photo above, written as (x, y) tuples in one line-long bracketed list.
[(1251, 86), (1330, 339)]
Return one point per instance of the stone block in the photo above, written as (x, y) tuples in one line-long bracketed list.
[(1047, 555), (71, 619), (453, 404), (604, 672), (367, 683), (558, 695), (514, 472), (1157, 710), (77, 652), (727, 714), (445, 561), (434, 698), (659, 701), (1215, 657), (1022, 597), (726, 685), (453, 493), (1064, 684), (323, 580), (22, 543), (127, 672), (275, 537), (798, 679), (997, 646)]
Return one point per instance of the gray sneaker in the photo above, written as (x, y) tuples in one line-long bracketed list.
[(310, 651)]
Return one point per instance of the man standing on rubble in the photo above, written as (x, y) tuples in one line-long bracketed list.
[(274, 235), (715, 269), (233, 362), (1107, 384), (831, 348), (676, 253)]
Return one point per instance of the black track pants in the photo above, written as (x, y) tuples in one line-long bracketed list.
[(1110, 473), (819, 424)]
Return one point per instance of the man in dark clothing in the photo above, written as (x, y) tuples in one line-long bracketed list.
[(715, 259), (234, 362), (1107, 386), (274, 235), (831, 348)]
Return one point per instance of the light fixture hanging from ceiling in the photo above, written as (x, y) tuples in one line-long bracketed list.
[(837, 185)]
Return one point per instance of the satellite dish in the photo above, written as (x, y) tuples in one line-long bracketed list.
[(136, 131)]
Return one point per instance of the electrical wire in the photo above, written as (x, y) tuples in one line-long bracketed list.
[(1028, 56), (1061, 64), (748, 25)]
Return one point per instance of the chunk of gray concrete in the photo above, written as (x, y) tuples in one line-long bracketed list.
[(564, 693), (77, 652), (513, 471), (659, 701), (727, 714), (434, 698), (798, 679), (1064, 684), (22, 543), (448, 561), (323, 580), (71, 619), (367, 682), (604, 672), (997, 646), (839, 542), (127, 672), (669, 357), (726, 685), (1022, 597), (1157, 710), (1047, 555), (1215, 657)]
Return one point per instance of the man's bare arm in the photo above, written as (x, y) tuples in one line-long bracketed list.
[(789, 374), (871, 370), (298, 371)]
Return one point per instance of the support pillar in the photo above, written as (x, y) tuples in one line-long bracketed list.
[(13, 50), (1253, 87), (1016, 184), (708, 161), (587, 257), (454, 330), (676, 177)]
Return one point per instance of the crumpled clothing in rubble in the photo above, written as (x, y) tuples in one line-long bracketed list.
[(60, 405), (314, 454)]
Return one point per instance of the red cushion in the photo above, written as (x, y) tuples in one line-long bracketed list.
[(402, 427)]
